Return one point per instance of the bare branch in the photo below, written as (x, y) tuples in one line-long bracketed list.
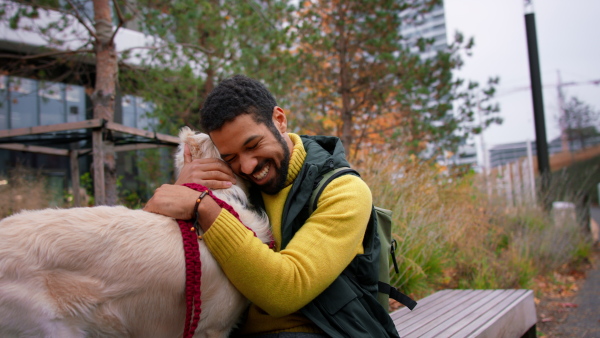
[(121, 20), (204, 50), (258, 10), (200, 48), (37, 56), (80, 19)]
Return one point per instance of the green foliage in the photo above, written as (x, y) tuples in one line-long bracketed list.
[(362, 81), (203, 42), (154, 167), (86, 181)]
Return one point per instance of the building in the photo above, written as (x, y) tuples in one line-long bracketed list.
[(466, 155), (510, 152), (28, 102), (430, 25)]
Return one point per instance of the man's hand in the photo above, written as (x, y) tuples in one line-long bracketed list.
[(173, 201), (212, 173), (178, 202)]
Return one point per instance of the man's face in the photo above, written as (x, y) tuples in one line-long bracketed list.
[(254, 152)]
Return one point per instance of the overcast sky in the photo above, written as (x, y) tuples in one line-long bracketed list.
[(568, 34)]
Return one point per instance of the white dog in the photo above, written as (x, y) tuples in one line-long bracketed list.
[(111, 271)]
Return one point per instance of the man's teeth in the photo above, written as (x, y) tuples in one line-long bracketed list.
[(262, 174)]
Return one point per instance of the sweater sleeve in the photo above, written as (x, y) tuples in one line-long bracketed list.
[(283, 282)]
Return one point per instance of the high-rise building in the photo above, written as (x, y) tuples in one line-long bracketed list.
[(430, 25)]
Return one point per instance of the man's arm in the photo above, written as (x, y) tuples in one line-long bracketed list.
[(283, 282), (178, 202)]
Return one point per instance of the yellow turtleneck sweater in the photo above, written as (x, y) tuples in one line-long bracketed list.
[(281, 282)]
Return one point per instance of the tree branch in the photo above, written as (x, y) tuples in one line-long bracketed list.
[(200, 48), (81, 21), (30, 57), (121, 20), (262, 15)]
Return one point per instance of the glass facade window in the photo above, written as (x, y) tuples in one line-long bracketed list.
[(128, 108), (3, 102), (52, 103), (135, 113), (23, 100), (75, 100), (144, 120), (29, 103)]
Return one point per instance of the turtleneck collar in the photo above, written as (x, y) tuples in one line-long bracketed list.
[(297, 157)]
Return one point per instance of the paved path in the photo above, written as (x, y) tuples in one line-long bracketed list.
[(584, 320)]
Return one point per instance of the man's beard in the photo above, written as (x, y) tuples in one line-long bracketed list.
[(281, 172)]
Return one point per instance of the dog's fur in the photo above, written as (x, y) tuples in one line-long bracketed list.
[(111, 271)]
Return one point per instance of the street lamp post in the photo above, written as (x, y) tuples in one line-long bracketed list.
[(538, 103)]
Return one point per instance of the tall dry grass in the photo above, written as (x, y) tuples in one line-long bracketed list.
[(451, 234), (23, 189)]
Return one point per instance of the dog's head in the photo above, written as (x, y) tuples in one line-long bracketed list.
[(200, 145)]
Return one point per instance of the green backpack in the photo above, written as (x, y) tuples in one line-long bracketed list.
[(388, 244)]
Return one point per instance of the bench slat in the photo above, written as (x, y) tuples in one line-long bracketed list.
[(423, 305), (469, 313), (396, 315), (473, 321), (513, 321), (422, 316), (493, 301), (443, 321)]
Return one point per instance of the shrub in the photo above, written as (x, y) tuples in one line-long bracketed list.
[(23, 189), (451, 234)]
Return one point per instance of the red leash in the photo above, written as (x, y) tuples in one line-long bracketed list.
[(193, 265)]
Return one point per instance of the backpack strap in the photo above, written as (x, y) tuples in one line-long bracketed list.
[(384, 288)]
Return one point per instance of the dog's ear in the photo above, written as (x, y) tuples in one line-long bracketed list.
[(185, 134), (201, 146)]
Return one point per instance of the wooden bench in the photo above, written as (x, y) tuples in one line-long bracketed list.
[(470, 313)]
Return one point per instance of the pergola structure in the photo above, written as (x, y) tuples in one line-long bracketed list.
[(63, 139)]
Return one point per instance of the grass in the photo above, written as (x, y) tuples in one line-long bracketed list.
[(23, 189), (451, 234)]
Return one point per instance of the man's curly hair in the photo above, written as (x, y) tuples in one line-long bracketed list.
[(235, 96)]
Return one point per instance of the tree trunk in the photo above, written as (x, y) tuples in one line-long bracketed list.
[(103, 100), (344, 83)]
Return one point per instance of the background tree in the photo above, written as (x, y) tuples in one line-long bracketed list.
[(362, 82), (205, 41), (579, 121)]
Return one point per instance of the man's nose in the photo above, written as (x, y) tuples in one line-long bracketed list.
[(248, 164)]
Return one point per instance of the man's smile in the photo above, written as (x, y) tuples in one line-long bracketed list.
[(262, 173)]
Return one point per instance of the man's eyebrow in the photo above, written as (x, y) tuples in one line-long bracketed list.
[(248, 140), (251, 138)]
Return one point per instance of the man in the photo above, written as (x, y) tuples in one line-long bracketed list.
[(308, 286)]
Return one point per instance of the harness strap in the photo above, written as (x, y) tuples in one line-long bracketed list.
[(193, 264)]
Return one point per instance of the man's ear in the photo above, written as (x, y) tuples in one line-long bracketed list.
[(279, 119)]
